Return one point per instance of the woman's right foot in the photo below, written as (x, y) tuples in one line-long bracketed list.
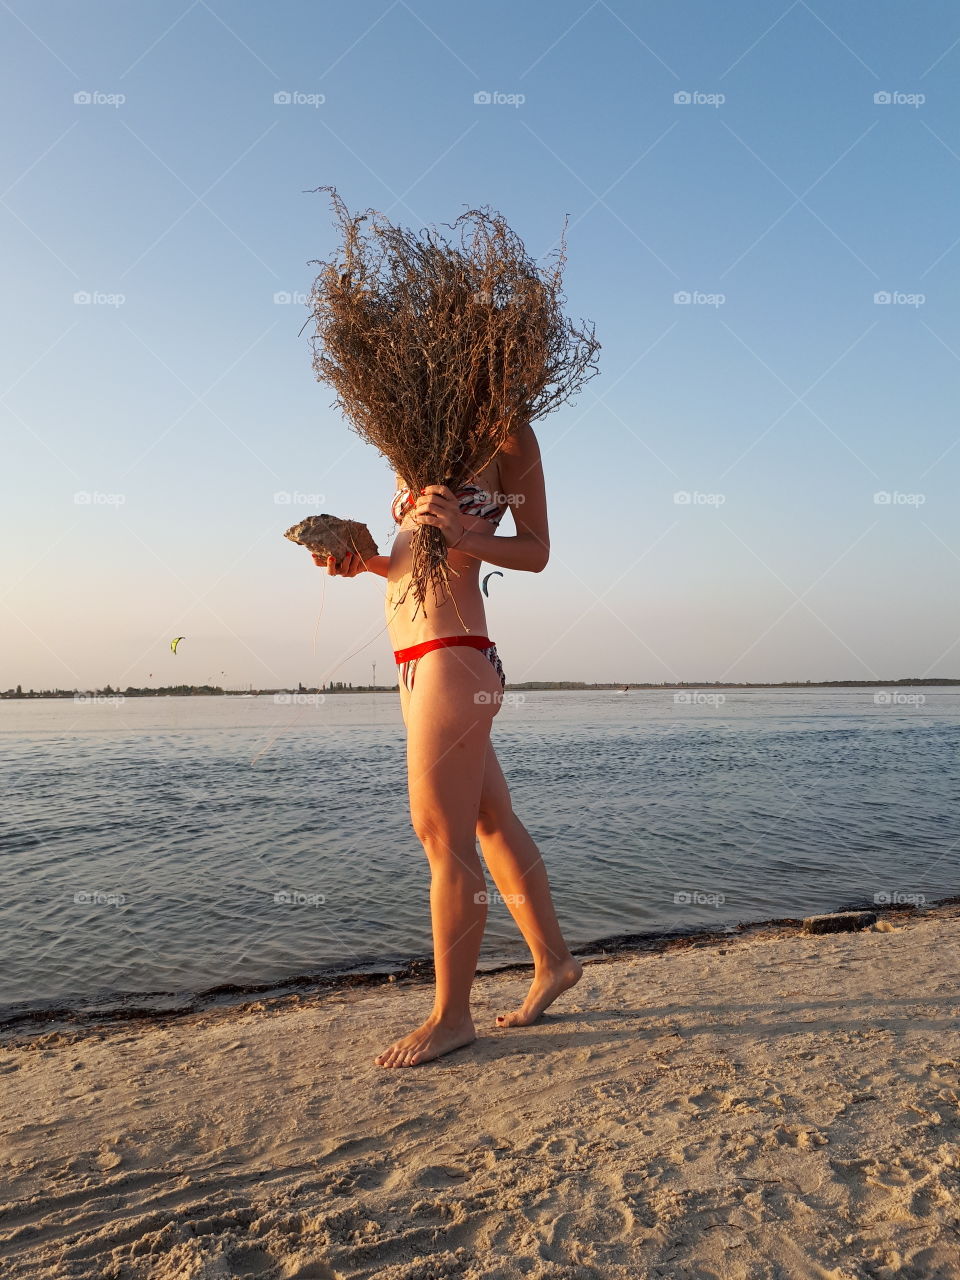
[(430, 1041), (547, 984)]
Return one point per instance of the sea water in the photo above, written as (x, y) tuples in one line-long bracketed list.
[(176, 844)]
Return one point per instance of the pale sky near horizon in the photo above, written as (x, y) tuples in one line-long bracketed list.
[(159, 438)]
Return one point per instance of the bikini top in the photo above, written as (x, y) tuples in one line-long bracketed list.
[(471, 499)]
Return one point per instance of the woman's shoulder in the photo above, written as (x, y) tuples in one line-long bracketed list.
[(521, 443)]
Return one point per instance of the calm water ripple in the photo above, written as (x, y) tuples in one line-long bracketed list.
[(143, 846)]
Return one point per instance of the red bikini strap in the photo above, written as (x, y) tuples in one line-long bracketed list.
[(442, 642)]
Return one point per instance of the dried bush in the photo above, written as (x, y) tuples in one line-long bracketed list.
[(438, 350)]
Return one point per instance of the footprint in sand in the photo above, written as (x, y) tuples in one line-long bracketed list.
[(437, 1177), (802, 1137)]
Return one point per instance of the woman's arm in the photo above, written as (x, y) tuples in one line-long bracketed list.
[(378, 565), (351, 565), (521, 474), (522, 551)]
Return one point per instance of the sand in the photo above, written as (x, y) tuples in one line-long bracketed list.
[(771, 1108)]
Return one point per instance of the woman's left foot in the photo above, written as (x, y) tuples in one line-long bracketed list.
[(546, 986), (427, 1042)]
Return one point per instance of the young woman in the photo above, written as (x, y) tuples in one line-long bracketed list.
[(451, 683)]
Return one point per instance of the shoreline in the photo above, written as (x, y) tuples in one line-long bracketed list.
[(778, 1106), (527, 686), (23, 1020)]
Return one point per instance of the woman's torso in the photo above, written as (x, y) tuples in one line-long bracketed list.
[(464, 597)]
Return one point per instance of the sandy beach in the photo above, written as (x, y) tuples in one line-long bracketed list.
[(777, 1106)]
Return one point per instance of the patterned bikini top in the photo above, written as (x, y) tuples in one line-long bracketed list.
[(472, 500)]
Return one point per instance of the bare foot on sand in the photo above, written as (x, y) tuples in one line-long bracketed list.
[(546, 986), (427, 1042)]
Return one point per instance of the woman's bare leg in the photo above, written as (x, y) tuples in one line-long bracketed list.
[(521, 879), (448, 729)]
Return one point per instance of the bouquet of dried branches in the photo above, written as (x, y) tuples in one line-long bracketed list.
[(439, 350)]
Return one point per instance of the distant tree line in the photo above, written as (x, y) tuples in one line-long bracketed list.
[(340, 686)]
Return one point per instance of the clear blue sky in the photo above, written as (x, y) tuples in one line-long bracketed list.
[(796, 398)]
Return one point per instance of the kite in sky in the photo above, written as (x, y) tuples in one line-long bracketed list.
[(487, 578), (174, 642)]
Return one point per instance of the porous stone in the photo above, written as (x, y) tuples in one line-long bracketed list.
[(327, 535)]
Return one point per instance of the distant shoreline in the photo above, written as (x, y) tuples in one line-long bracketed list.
[(529, 686)]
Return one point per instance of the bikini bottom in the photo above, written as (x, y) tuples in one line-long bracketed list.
[(407, 659)]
